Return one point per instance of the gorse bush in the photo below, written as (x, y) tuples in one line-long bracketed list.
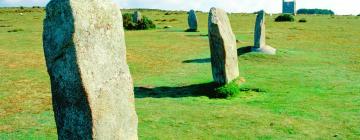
[(127, 22), (303, 20), (144, 24), (229, 90), (285, 18)]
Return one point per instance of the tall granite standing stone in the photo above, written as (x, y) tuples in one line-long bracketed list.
[(192, 21), (137, 17), (260, 38), (92, 89), (224, 59)]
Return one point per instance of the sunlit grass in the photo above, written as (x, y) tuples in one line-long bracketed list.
[(310, 89)]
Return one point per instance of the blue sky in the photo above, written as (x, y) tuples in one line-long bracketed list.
[(273, 6)]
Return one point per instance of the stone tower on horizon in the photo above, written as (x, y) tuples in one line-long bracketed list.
[(289, 7)]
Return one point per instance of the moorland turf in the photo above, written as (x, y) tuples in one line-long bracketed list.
[(309, 90)]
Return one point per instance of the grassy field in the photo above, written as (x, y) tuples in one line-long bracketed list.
[(309, 90)]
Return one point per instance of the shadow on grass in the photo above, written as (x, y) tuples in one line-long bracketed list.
[(192, 30), (176, 30), (240, 51), (2, 26), (171, 30), (196, 90), (244, 50), (198, 35), (203, 60)]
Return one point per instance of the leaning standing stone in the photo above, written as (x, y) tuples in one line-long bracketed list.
[(92, 89), (222, 40), (192, 21), (137, 17), (260, 38)]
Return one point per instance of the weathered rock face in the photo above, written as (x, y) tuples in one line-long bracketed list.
[(137, 17), (260, 30), (192, 20), (92, 89), (260, 37), (224, 59)]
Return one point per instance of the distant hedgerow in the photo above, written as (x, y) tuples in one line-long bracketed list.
[(144, 24), (285, 18), (316, 11)]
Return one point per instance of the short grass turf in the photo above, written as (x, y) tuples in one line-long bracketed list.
[(309, 90)]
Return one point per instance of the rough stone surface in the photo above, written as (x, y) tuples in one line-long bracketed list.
[(92, 89), (224, 59), (192, 20), (260, 37), (137, 16)]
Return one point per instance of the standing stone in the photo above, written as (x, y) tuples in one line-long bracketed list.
[(92, 89), (224, 59), (260, 38), (137, 17), (192, 21)]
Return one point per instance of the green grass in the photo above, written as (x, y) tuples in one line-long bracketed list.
[(309, 90)]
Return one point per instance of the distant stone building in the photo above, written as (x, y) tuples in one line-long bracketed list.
[(289, 7)]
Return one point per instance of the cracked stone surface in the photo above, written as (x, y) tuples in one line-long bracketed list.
[(224, 59), (192, 20), (85, 52), (260, 37)]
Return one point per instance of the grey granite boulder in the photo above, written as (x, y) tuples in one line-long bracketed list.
[(137, 17), (224, 59), (91, 85), (260, 38), (192, 21)]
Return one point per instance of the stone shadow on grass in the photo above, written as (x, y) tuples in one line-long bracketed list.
[(202, 60), (244, 50), (171, 30), (196, 90), (198, 35), (240, 51)]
